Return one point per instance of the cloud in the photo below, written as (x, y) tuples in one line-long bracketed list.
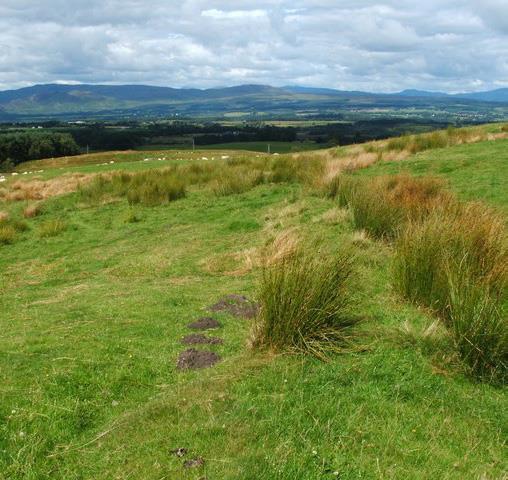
[(377, 45)]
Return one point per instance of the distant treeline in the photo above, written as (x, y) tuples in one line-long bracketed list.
[(53, 139), (101, 137), (128, 136), (19, 147)]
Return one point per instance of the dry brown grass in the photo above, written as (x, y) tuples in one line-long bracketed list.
[(281, 218), (4, 216), (334, 216), (33, 210), (37, 189), (383, 205), (279, 247), (360, 238), (355, 157)]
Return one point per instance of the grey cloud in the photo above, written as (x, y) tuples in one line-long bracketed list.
[(363, 44)]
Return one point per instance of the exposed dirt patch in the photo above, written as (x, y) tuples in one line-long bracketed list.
[(205, 323), (193, 359), (236, 305), (179, 452), (194, 462), (200, 339)]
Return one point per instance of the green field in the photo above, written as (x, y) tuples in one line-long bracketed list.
[(92, 319), (273, 147)]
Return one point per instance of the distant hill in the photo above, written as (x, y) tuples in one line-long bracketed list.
[(101, 101), (421, 93), (499, 95)]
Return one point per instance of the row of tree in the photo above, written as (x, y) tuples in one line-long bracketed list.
[(19, 147)]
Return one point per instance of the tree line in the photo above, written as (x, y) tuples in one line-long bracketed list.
[(19, 147)]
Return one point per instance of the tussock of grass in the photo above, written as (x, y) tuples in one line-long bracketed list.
[(132, 217), (33, 210), (455, 261), (306, 303), (478, 319), (17, 224), (233, 181), (7, 234), (151, 188), (342, 187), (305, 169), (52, 228), (156, 191), (381, 206)]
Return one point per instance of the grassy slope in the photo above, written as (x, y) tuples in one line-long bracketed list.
[(475, 171), (90, 326)]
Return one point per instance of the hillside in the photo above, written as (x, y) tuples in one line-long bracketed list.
[(98, 287), (102, 101)]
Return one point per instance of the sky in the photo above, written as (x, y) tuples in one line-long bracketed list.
[(379, 46)]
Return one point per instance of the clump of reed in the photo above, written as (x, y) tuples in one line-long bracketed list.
[(235, 180), (10, 228), (306, 300), (382, 205), (7, 234), (455, 261), (151, 188), (52, 228)]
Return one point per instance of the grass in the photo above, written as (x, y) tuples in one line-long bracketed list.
[(91, 328), (233, 181), (306, 302), (383, 205), (455, 262), (435, 140), (7, 234), (471, 171), (151, 188), (478, 320), (52, 228)]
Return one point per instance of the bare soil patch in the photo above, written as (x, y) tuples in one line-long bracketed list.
[(236, 305), (194, 462), (205, 323), (193, 359)]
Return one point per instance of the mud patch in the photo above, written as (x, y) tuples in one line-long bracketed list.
[(236, 305), (193, 359), (205, 323), (199, 339)]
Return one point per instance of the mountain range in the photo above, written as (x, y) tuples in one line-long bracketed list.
[(95, 101)]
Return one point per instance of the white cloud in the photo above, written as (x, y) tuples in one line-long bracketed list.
[(378, 45), (233, 14)]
